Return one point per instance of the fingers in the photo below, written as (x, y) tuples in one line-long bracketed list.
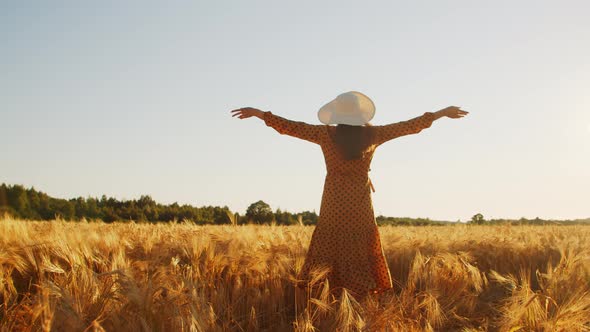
[(458, 112), (455, 112), (240, 113), (242, 116), (244, 110)]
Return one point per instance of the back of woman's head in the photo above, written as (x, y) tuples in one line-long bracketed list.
[(353, 141)]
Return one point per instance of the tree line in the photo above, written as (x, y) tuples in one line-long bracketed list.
[(20, 202)]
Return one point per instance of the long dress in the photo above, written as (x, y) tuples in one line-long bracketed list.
[(346, 238)]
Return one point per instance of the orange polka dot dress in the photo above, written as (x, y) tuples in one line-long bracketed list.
[(346, 238)]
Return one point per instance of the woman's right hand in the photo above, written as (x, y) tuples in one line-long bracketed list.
[(247, 112), (452, 112)]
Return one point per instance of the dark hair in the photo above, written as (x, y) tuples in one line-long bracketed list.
[(352, 141)]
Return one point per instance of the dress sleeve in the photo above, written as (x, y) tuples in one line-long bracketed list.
[(402, 128), (297, 129)]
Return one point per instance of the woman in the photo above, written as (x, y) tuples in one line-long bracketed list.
[(346, 238)]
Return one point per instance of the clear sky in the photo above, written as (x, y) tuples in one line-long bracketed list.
[(126, 98)]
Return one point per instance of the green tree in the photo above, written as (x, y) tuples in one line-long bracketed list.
[(93, 211), (80, 207), (309, 217), (148, 207), (220, 215), (3, 196), (478, 219), (18, 200), (284, 218), (260, 212)]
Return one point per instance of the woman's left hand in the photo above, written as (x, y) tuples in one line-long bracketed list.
[(247, 112)]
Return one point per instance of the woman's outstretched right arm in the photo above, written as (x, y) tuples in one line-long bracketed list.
[(284, 126)]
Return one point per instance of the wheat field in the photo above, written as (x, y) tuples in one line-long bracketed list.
[(91, 276)]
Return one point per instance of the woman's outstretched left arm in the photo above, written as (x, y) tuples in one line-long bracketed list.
[(415, 125), (284, 126)]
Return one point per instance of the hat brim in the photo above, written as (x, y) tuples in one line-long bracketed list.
[(333, 112)]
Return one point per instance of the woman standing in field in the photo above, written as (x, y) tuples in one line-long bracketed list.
[(346, 238)]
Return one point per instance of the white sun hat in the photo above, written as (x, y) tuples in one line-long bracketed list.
[(351, 108)]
